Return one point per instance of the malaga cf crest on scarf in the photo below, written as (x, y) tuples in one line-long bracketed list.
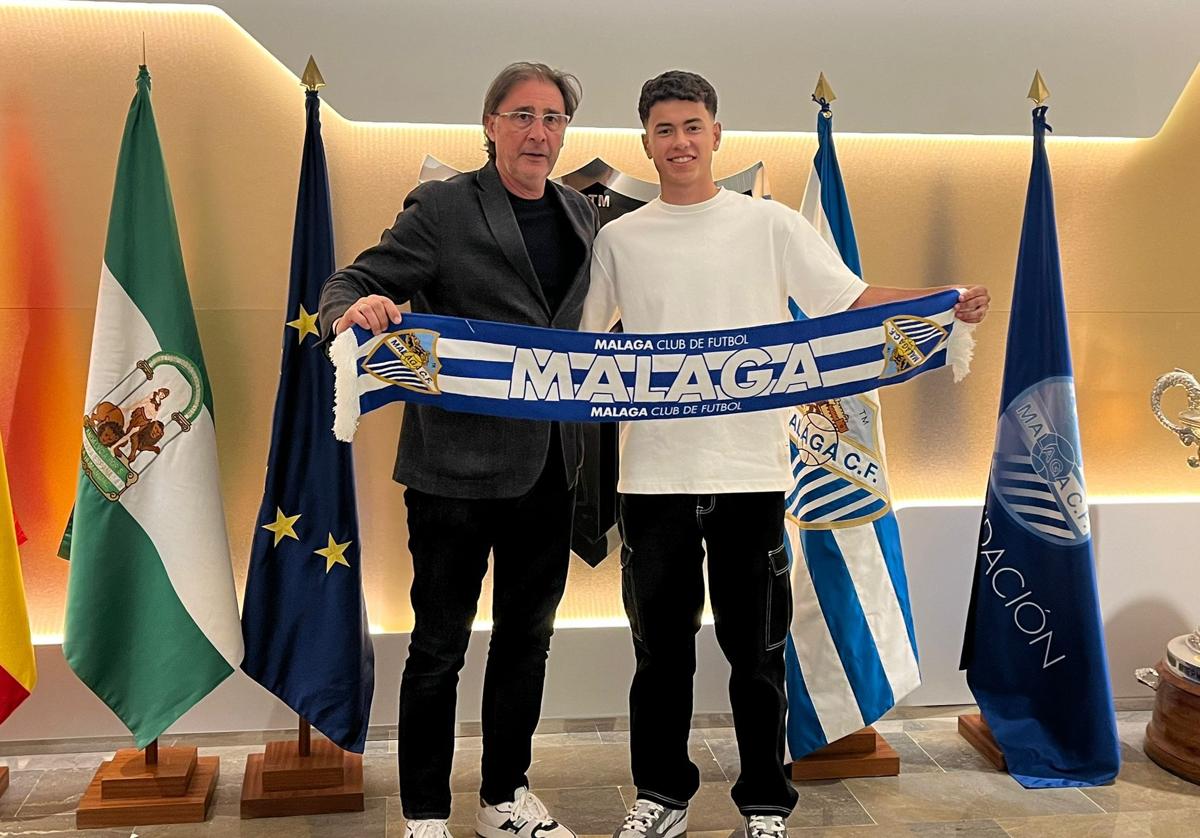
[(407, 359), (910, 340)]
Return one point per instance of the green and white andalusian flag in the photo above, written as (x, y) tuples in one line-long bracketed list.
[(152, 622)]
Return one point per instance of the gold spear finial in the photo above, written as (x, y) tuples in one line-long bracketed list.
[(1038, 91), (312, 78), (823, 91)]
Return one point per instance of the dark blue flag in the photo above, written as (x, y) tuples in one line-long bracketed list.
[(304, 620), (1034, 645)]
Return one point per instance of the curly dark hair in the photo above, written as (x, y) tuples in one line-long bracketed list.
[(676, 84)]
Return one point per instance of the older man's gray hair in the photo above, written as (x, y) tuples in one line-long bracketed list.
[(517, 72)]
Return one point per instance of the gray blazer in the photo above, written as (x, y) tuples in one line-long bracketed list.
[(456, 250)]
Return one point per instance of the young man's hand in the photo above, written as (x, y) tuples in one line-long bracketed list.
[(972, 304)]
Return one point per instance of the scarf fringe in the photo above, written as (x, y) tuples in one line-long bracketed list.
[(961, 349), (343, 353)]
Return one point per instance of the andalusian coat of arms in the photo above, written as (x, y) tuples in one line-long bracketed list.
[(128, 428)]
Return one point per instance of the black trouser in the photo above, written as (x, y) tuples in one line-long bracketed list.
[(450, 538), (662, 585)]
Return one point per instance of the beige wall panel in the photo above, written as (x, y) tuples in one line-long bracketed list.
[(928, 210)]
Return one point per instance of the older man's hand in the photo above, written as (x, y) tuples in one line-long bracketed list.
[(373, 312), (972, 305)]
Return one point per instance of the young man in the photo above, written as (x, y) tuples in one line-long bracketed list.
[(501, 243), (701, 258)]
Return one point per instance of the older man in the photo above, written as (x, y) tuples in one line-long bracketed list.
[(505, 244)]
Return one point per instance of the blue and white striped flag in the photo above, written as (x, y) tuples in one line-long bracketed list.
[(852, 652)]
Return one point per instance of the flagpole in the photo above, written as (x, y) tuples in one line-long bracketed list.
[(305, 744), (1038, 91), (862, 753), (312, 81), (824, 96), (147, 785), (301, 776), (973, 727)]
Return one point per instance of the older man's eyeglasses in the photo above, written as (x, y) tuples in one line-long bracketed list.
[(523, 120)]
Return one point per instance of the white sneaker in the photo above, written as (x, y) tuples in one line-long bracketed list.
[(524, 816), (648, 819), (427, 829), (765, 826)]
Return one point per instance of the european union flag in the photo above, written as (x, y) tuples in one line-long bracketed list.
[(1034, 646), (304, 620)]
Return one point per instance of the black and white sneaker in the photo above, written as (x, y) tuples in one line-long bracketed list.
[(765, 826), (648, 819), (522, 817)]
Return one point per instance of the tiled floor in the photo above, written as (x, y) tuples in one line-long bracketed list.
[(581, 771)]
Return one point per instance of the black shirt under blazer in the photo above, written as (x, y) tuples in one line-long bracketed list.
[(456, 250)]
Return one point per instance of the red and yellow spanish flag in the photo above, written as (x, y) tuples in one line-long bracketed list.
[(18, 672)]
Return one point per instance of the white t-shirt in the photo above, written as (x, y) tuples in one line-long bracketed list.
[(729, 262)]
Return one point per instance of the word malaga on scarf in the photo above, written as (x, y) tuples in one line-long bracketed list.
[(525, 372)]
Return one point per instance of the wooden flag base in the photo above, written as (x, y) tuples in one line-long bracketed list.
[(3, 779), (975, 730), (1173, 735), (861, 754), (281, 782), (127, 792)]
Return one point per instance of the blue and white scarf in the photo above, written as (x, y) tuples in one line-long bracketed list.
[(525, 372)]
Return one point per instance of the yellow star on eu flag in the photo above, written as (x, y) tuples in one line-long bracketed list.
[(285, 525), (333, 553), (305, 324)]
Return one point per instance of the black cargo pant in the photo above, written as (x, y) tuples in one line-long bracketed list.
[(665, 540)]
